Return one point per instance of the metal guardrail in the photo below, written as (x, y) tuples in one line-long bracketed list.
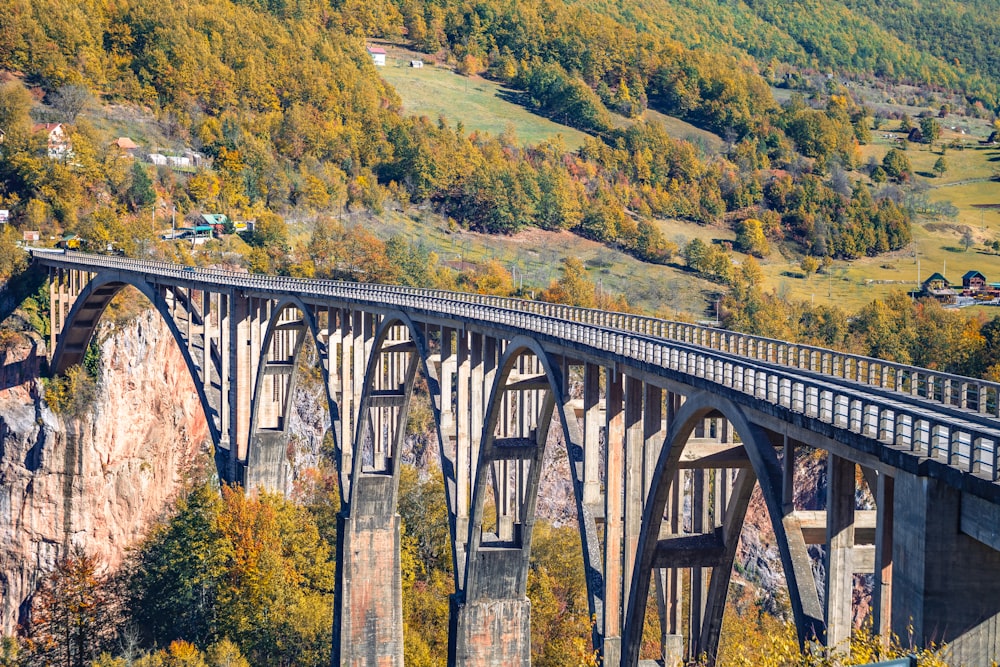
[(948, 418)]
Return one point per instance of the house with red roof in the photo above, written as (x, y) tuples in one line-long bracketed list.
[(378, 55)]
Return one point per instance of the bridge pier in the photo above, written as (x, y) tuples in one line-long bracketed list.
[(945, 583), (490, 633), (368, 600)]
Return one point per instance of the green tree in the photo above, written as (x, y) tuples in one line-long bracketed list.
[(180, 570), (694, 254), (140, 193), (930, 129), (940, 166), (896, 164)]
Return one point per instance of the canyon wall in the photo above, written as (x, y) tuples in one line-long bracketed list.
[(100, 480)]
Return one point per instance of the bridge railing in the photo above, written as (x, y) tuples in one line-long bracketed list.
[(967, 394)]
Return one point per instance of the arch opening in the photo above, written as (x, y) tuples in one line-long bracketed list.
[(712, 551), (178, 310)]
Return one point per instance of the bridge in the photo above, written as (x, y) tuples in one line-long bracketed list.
[(668, 428)]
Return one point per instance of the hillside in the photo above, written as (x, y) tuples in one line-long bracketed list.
[(943, 44)]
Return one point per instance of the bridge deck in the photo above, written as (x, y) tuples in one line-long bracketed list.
[(933, 416)]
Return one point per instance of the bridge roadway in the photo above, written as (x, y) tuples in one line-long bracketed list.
[(656, 416)]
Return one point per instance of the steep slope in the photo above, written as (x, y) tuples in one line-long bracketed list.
[(100, 480)]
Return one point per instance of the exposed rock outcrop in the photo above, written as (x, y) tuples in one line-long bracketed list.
[(100, 480)]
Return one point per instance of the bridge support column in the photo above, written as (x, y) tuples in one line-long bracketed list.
[(490, 633), (368, 610), (840, 506), (945, 584)]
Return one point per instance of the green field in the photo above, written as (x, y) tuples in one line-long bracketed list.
[(487, 106), (480, 104)]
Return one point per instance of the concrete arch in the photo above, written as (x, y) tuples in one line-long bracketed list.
[(514, 350), (402, 401), (81, 324), (764, 462), (267, 449)]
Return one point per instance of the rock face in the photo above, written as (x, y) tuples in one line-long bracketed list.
[(98, 481)]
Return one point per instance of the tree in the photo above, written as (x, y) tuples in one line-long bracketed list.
[(896, 164), (12, 258), (930, 129), (809, 265), (74, 614), (694, 254), (573, 288), (750, 238), (15, 103), (968, 240), (940, 166), (140, 193), (253, 569), (69, 101), (490, 278), (269, 231)]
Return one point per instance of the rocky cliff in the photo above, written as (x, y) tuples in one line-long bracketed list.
[(97, 481)]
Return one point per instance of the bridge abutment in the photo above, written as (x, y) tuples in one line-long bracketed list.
[(368, 607), (490, 633), (945, 584)]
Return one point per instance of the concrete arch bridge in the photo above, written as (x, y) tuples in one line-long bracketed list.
[(668, 428)]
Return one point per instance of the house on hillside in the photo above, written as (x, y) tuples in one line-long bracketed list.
[(58, 144), (938, 287), (189, 160), (217, 221), (973, 281), (69, 242), (378, 55), (126, 146), (417, 63)]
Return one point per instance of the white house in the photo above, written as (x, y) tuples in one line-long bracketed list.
[(417, 63), (58, 143), (378, 55)]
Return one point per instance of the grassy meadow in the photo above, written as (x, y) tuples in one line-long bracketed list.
[(480, 104)]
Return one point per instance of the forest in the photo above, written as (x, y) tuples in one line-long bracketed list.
[(300, 121)]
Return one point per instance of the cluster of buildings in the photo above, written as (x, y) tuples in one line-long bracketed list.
[(59, 146), (974, 289), (378, 57)]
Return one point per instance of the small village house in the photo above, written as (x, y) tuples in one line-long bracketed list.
[(973, 281), (417, 63), (126, 146), (938, 287), (378, 55), (58, 144)]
